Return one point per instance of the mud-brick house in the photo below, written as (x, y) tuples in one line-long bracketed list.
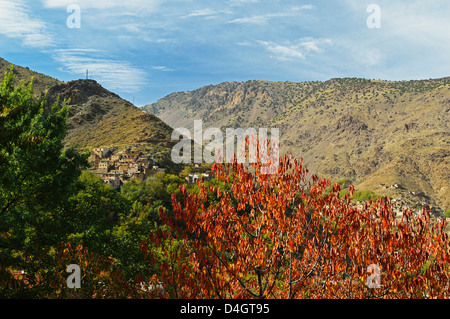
[(111, 179), (104, 166), (130, 157), (115, 158), (133, 168), (123, 168), (100, 151), (94, 160)]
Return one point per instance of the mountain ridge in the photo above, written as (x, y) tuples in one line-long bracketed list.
[(390, 137), (377, 133), (97, 116)]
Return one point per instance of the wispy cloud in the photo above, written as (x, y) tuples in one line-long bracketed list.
[(283, 52), (413, 41), (419, 21), (295, 50), (113, 74), (161, 68), (264, 18), (129, 5), (200, 13), (16, 22), (368, 57), (241, 2), (205, 42), (206, 13)]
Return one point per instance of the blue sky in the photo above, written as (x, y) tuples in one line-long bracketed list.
[(146, 49)]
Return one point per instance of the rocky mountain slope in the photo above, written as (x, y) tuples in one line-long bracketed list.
[(41, 82), (98, 117), (376, 133)]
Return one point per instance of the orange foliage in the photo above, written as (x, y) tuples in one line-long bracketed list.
[(282, 236)]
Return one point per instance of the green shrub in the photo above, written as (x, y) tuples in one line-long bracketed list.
[(447, 213), (363, 196)]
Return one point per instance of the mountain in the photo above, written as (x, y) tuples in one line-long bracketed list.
[(376, 133), (41, 82), (98, 117)]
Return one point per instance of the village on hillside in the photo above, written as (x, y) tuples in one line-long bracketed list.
[(400, 203), (116, 169)]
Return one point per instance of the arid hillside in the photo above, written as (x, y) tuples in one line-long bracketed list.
[(98, 117), (376, 133)]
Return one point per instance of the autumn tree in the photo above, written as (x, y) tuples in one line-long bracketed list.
[(282, 236)]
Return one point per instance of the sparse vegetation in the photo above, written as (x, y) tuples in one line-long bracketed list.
[(447, 213), (363, 196), (325, 118)]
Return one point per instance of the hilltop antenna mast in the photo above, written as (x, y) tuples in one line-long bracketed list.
[(87, 73)]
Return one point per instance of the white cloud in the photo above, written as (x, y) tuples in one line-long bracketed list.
[(314, 45), (16, 22), (413, 41), (129, 5), (202, 12), (244, 44), (421, 22), (283, 52), (116, 75), (297, 50), (206, 13), (161, 68), (369, 57), (241, 2), (264, 18)]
